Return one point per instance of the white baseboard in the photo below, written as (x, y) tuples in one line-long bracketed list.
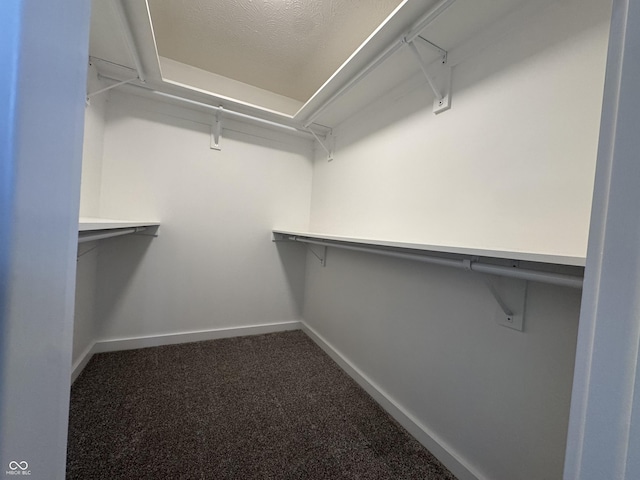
[(117, 344), (78, 365), (442, 451)]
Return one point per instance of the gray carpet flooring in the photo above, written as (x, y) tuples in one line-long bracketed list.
[(260, 407)]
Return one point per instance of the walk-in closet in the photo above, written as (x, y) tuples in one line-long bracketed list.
[(390, 234)]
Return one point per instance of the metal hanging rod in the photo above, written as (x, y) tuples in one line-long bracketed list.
[(414, 32), (464, 264), (226, 111), (92, 236), (218, 109)]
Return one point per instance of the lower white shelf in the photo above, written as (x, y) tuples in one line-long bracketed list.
[(91, 229), (456, 257)]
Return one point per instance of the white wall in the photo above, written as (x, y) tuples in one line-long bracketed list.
[(510, 167), (92, 148), (201, 80), (43, 50), (212, 265), (426, 336), (85, 318)]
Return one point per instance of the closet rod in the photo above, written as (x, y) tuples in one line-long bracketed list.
[(90, 237), (415, 30), (465, 264), (232, 113)]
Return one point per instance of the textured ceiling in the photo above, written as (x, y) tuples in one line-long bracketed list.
[(290, 47)]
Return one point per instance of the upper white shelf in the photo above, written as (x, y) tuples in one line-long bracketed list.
[(92, 224), (454, 26), (568, 260)]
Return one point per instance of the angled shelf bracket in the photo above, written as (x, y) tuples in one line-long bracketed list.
[(320, 256), (441, 92), (279, 237), (105, 89), (510, 296), (327, 145), (443, 53), (216, 131)]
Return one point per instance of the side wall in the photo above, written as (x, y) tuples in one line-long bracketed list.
[(85, 321), (212, 265), (94, 121), (43, 50), (510, 167)]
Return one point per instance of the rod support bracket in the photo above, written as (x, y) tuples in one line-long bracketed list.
[(441, 86), (510, 295), (443, 104), (327, 145), (216, 131), (320, 256)]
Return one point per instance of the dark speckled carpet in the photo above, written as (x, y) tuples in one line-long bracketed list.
[(261, 407)]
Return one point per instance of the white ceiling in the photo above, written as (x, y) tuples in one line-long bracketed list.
[(289, 47)]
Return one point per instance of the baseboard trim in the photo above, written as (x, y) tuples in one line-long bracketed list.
[(78, 365), (442, 451), (131, 343)]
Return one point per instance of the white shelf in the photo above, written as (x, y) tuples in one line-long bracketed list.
[(92, 224), (91, 229), (469, 259), (468, 251)]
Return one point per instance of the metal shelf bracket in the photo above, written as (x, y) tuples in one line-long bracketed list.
[(510, 312), (105, 89), (443, 53), (510, 294), (327, 145), (216, 131), (442, 92), (322, 256), (278, 237)]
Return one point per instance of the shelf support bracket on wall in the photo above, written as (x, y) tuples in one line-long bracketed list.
[(322, 257), (509, 294), (278, 237), (442, 101), (216, 132), (443, 53), (105, 89), (327, 145)]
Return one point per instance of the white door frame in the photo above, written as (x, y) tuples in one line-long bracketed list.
[(604, 428), (43, 68)]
